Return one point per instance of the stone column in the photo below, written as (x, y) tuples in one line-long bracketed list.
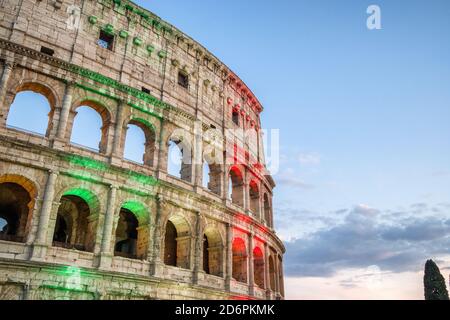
[(156, 265), (40, 242), (266, 270), (198, 248), (281, 276), (251, 271), (197, 159), (277, 284), (246, 188), (229, 257), (7, 70), (105, 253), (118, 130), (65, 110)]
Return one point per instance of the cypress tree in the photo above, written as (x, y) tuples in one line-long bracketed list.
[(434, 283)]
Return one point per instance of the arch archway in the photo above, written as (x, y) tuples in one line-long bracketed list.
[(77, 220), (32, 108), (212, 175), (254, 197), (272, 273), (89, 125), (236, 186), (142, 133), (179, 156), (267, 210), (240, 262), (212, 252), (132, 231), (177, 242), (17, 200), (258, 267)]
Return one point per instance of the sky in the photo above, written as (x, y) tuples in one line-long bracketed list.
[(363, 189)]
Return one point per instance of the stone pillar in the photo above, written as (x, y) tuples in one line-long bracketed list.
[(161, 161), (266, 270), (251, 266), (198, 248), (105, 253), (40, 242), (229, 257), (7, 70), (156, 265), (197, 159), (65, 111), (281, 277), (118, 130), (226, 185), (277, 284), (246, 190)]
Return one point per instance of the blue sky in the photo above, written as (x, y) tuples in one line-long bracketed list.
[(364, 182)]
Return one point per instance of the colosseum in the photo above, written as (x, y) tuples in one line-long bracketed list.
[(84, 223)]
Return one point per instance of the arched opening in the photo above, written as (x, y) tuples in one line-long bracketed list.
[(90, 126), (280, 276), (140, 141), (211, 177), (16, 204), (237, 187), (76, 225), (126, 235), (177, 242), (134, 144), (235, 117), (254, 197), (212, 252), (179, 160), (239, 260), (31, 112), (258, 267), (206, 255), (272, 274), (170, 245), (267, 210)]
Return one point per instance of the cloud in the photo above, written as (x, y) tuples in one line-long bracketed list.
[(311, 158), (366, 237), (290, 179), (294, 182)]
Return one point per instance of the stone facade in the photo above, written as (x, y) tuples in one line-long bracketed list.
[(85, 224)]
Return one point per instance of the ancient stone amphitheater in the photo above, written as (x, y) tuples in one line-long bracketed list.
[(82, 223)]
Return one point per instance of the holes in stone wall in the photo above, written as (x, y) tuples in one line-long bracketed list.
[(183, 79), (105, 40)]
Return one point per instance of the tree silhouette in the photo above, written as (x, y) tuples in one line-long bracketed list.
[(434, 283)]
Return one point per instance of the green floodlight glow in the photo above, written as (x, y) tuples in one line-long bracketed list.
[(146, 180), (137, 208), (84, 194), (71, 277), (84, 176), (87, 163)]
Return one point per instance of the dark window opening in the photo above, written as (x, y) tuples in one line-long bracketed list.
[(236, 117), (105, 40), (145, 90), (127, 235), (206, 255), (170, 245), (61, 234), (47, 51), (213, 126), (183, 79)]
